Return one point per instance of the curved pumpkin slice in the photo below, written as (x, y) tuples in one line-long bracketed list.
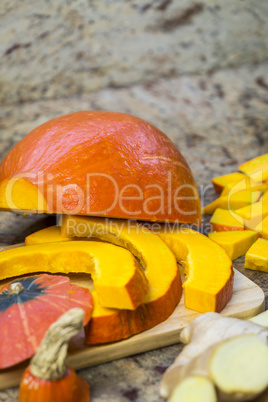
[(208, 269), (118, 279), (52, 234), (161, 270)]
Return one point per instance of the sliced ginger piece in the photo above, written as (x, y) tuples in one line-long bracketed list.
[(225, 220), (160, 267), (52, 234), (202, 336), (194, 388), (257, 166), (208, 269), (261, 319), (257, 256), (118, 279), (233, 200), (221, 182), (235, 243), (238, 367)]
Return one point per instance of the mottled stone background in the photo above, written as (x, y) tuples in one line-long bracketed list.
[(51, 49), (198, 70)]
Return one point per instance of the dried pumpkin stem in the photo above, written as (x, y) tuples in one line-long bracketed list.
[(50, 360), (15, 288)]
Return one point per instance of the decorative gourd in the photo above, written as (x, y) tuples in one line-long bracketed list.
[(160, 267), (48, 378), (118, 285), (28, 306), (99, 163)]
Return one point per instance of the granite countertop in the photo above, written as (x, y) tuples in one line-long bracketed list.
[(217, 120)]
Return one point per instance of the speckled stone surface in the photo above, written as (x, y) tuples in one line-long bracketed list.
[(218, 120), (52, 49)]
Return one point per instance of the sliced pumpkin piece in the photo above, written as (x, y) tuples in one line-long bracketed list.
[(245, 184), (254, 214), (118, 279), (52, 234), (235, 200), (257, 256), (17, 194), (264, 229), (225, 220), (264, 198), (257, 166), (235, 243), (207, 266), (160, 267), (221, 182), (258, 209)]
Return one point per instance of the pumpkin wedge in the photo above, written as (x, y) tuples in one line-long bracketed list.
[(257, 256), (233, 200), (223, 219), (244, 185), (207, 266), (52, 234), (262, 228), (118, 279), (236, 243), (221, 182), (253, 214), (257, 166), (160, 267)]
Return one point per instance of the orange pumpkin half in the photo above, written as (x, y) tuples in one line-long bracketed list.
[(99, 163)]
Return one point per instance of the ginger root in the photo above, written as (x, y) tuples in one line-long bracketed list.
[(261, 319), (193, 389), (207, 337)]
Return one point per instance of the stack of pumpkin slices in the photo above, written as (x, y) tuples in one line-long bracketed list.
[(101, 171)]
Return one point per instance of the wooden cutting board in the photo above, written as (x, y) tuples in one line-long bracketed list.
[(247, 301)]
